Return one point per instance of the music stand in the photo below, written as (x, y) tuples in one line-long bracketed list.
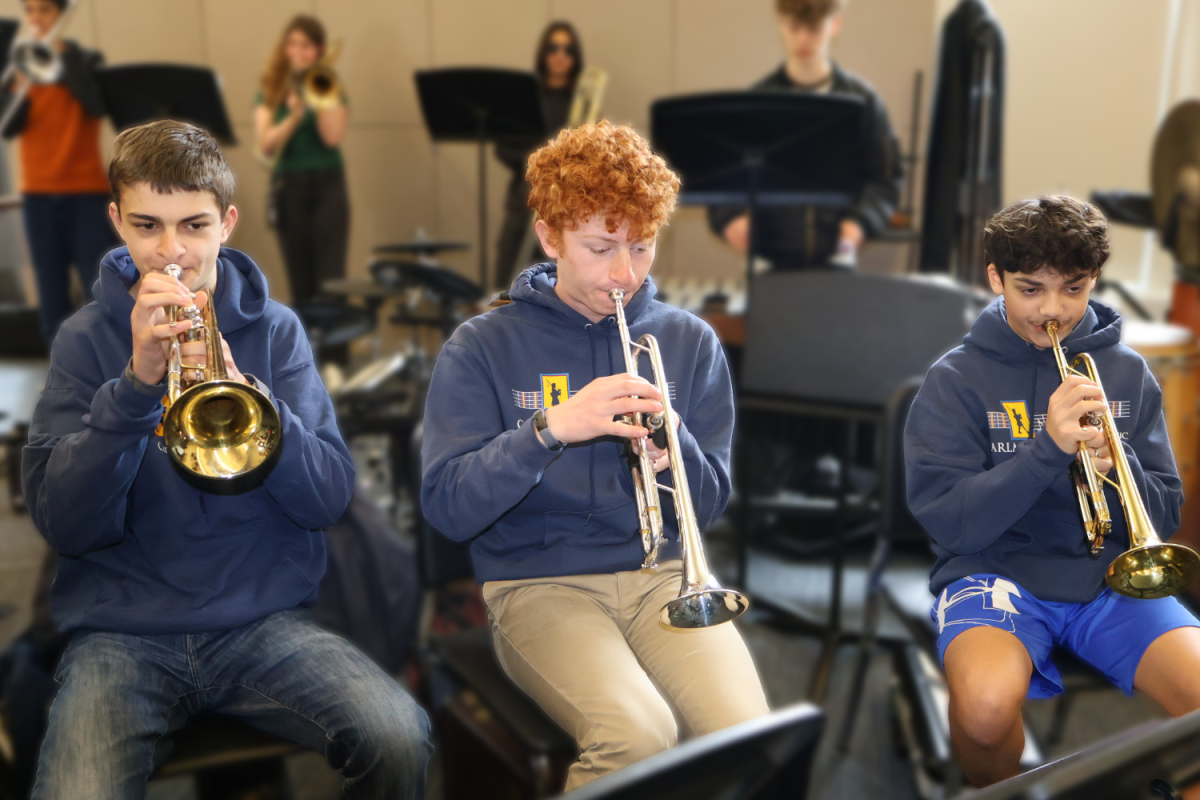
[(481, 104), (762, 148), (767, 758), (1162, 754), (8, 32), (138, 93)]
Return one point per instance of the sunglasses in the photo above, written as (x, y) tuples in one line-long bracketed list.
[(554, 47)]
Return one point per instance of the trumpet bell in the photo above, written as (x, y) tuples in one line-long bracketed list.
[(703, 608), (221, 431), (1153, 570)]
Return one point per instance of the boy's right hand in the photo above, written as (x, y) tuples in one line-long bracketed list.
[(1075, 398), (589, 413), (151, 333)]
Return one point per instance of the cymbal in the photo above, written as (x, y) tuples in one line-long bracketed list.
[(420, 246), (361, 287), (1175, 183)]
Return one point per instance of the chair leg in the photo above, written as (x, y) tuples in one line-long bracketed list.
[(866, 644), (1058, 726)]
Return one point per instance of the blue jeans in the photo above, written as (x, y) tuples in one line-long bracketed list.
[(65, 229), (122, 696)]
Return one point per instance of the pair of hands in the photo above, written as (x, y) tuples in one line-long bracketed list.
[(737, 233), (152, 334), (590, 412), (1072, 400)]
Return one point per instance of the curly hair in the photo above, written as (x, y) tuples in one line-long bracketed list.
[(172, 157), (605, 169), (809, 12), (1059, 232)]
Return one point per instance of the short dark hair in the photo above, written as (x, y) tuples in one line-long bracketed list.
[(62, 4), (170, 156), (809, 12), (1058, 232)]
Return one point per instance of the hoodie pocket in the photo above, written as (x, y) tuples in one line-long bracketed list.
[(614, 524)]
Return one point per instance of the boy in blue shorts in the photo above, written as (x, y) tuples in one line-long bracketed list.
[(988, 444)]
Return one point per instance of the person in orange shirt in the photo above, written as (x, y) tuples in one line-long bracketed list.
[(63, 182)]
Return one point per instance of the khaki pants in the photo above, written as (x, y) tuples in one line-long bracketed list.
[(589, 649)]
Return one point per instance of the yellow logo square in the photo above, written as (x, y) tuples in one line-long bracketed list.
[(1018, 420), (555, 389)]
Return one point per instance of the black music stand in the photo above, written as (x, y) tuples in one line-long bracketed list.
[(763, 148), (1146, 762), (138, 93), (481, 104), (768, 758), (8, 32)]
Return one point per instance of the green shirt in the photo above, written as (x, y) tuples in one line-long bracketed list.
[(304, 151)]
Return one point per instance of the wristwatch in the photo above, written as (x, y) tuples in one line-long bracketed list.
[(543, 429)]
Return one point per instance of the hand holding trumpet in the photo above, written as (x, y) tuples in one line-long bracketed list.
[(153, 333), (1073, 405)]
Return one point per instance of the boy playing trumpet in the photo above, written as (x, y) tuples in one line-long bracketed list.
[(988, 444), (523, 458)]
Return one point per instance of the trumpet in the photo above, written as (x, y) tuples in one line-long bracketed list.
[(219, 432), (702, 601), (320, 86), (1150, 568), (37, 60)]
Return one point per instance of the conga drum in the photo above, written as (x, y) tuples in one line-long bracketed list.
[(1173, 354)]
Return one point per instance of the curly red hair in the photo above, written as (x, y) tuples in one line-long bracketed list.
[(606, 169)]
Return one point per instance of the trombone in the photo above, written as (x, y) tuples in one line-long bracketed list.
[(219, 432), (702, 601), (1150, 568), (37, 60)]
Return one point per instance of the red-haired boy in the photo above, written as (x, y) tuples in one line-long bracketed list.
[(523, 459)]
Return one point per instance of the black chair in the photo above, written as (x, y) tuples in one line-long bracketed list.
[(494, 738), (834, 346), (228, 758), (768, 758)]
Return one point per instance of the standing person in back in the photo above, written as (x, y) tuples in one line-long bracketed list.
[(63, 185), (308, 199)]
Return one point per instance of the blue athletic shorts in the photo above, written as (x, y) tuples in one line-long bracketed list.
[(1111, 632)]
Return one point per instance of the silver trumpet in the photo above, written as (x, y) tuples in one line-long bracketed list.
[(702, 601)]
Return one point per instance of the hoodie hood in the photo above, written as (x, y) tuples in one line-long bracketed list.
[(1100, 327), (536, 285), (241, 296)]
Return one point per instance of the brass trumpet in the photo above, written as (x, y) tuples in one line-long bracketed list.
[(1150, 568), (221, 433), (702, 601), (320, 86)]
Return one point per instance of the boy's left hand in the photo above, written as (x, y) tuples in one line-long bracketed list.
[(661, 458), (1101, 453), (192, 354)]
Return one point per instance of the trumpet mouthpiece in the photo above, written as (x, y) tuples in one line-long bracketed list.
[(174, 270), (616, 295), (1051, 326)]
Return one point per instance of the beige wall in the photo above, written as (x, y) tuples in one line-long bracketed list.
[(1078, 117), (399, 180)]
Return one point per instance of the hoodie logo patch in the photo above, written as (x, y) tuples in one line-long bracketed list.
[(555, 389), (1019, 424)]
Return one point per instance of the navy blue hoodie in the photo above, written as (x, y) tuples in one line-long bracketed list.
[(994, 491), (529, 512), (141, 551)]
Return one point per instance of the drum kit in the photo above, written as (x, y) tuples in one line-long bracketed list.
[(1171, 348)]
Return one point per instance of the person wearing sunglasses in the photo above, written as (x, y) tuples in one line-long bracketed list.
[(558, 64)]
